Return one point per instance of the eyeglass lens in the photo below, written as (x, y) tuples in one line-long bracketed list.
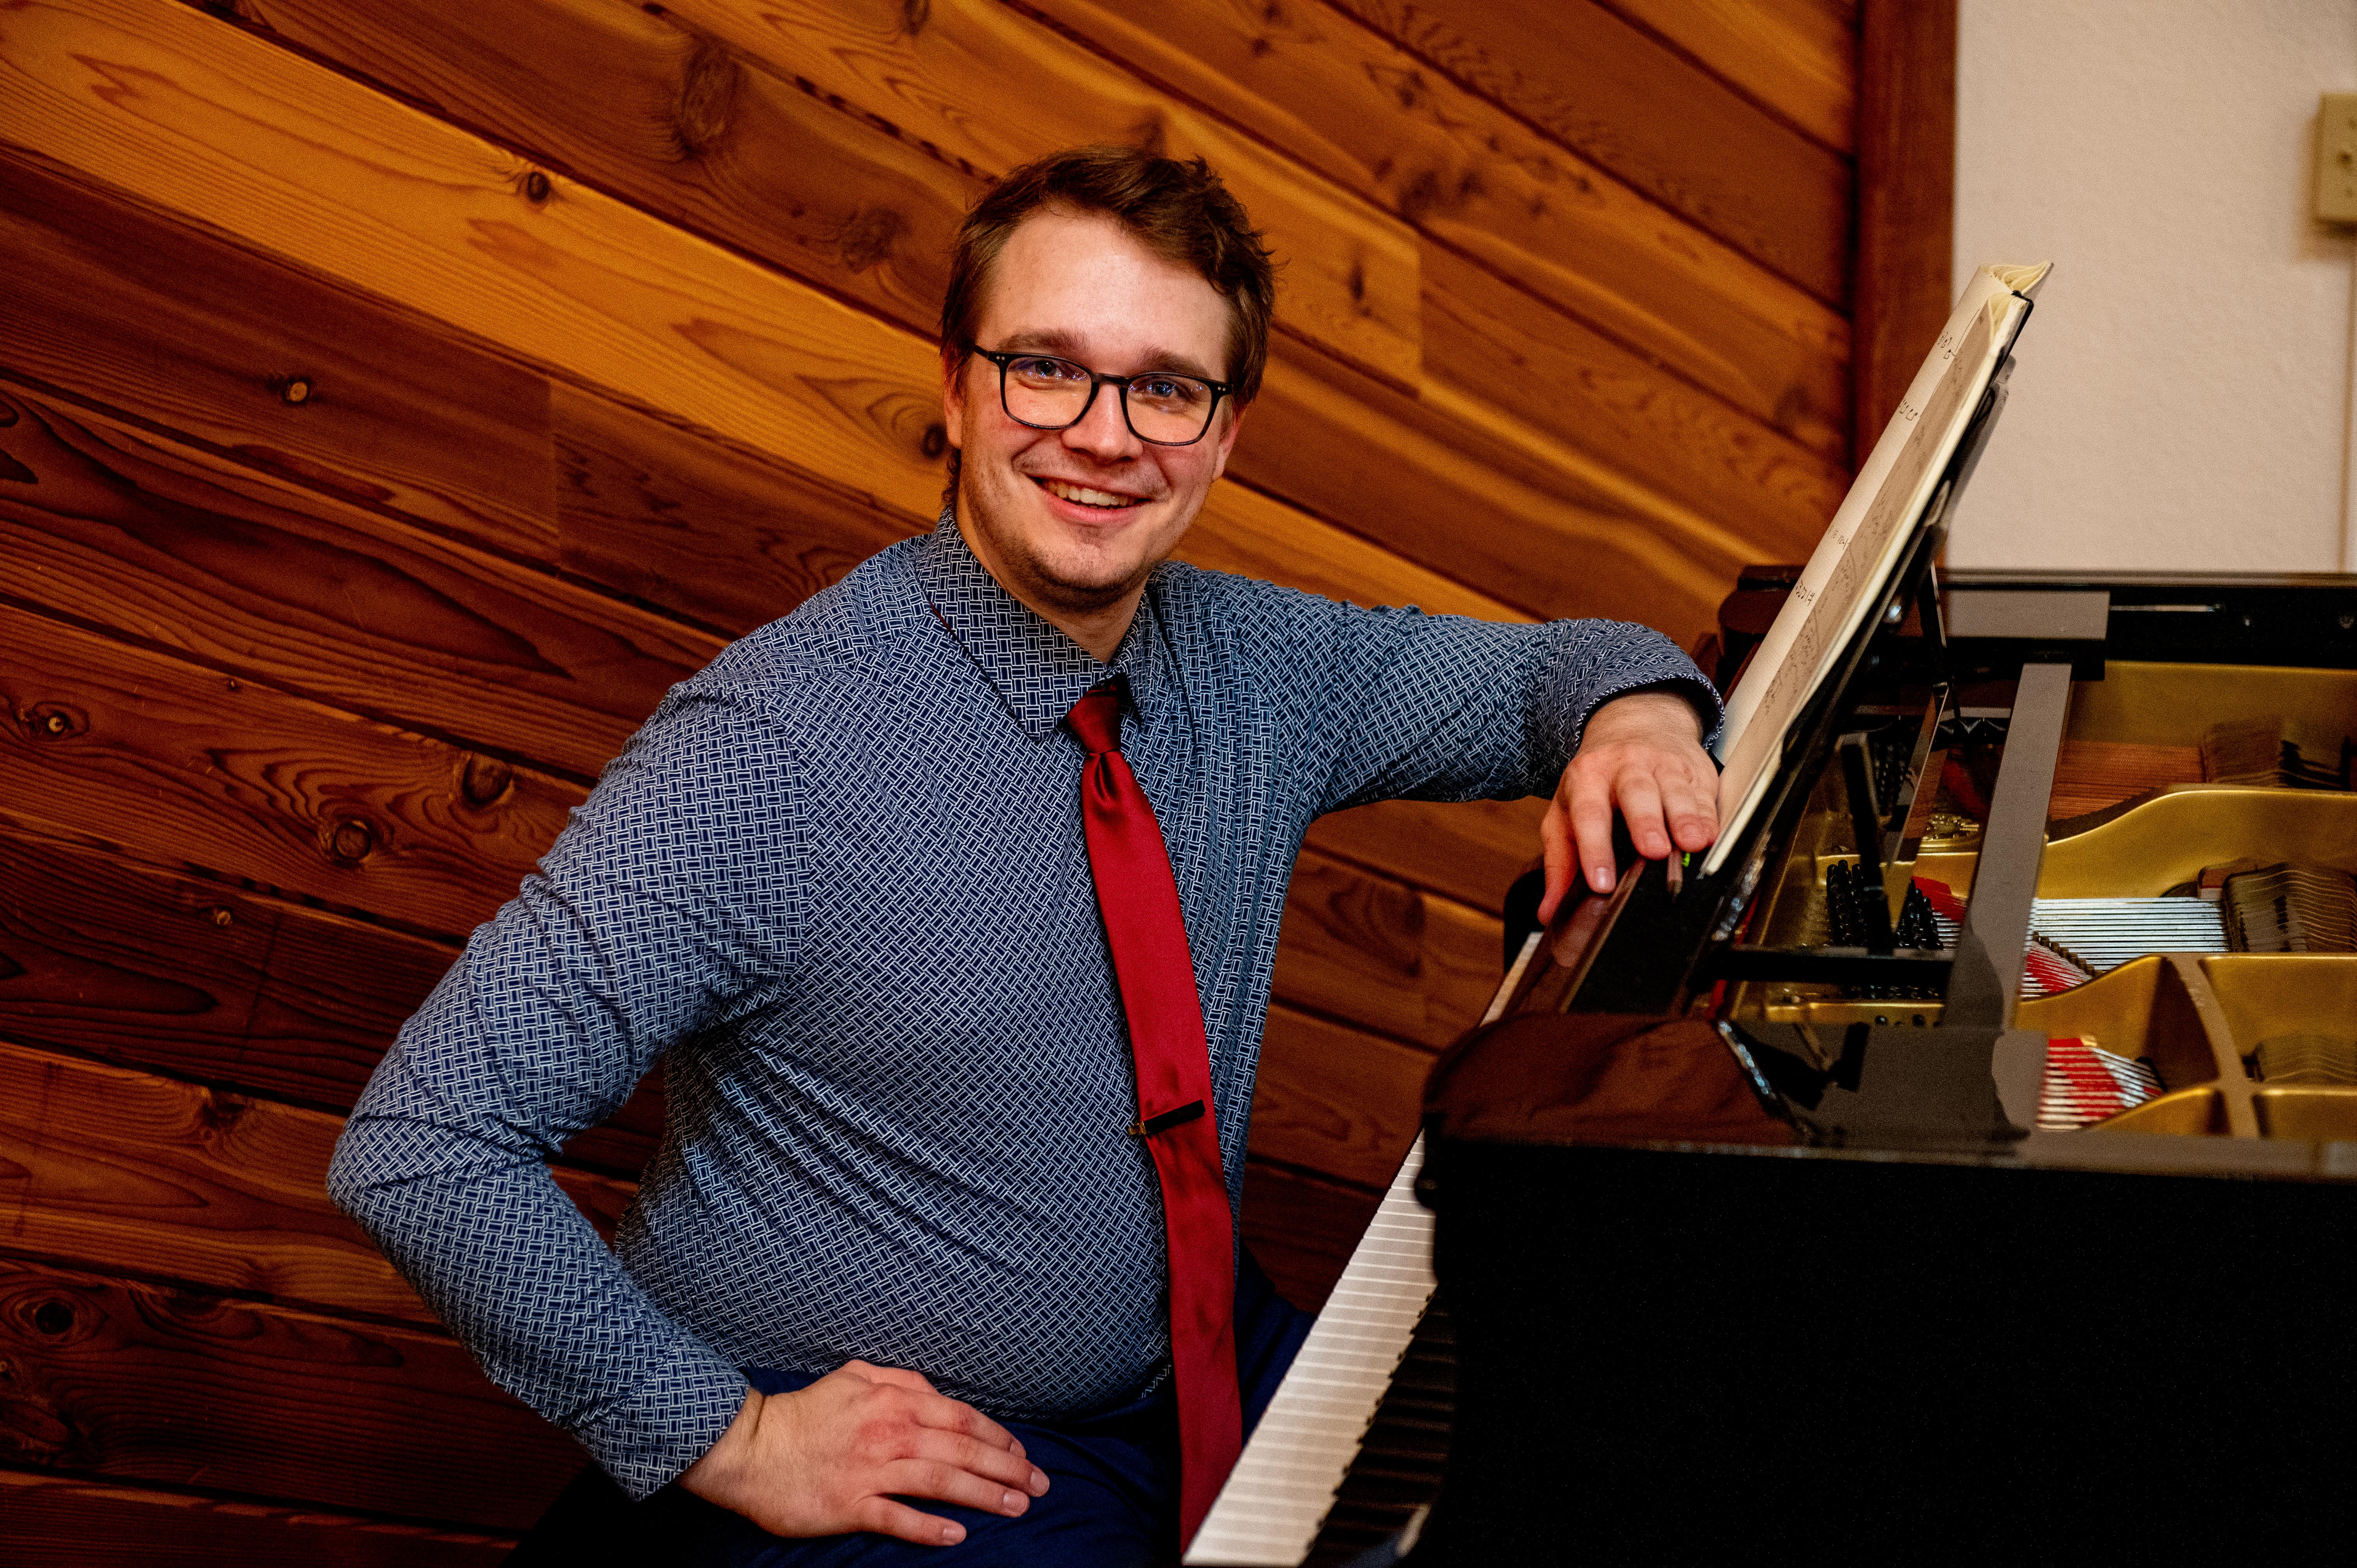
[(1052, 393)]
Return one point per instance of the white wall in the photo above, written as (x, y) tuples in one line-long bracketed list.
[(2182, 395)]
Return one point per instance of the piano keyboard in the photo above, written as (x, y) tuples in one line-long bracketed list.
[(1282, 1488), (1284, 1484)]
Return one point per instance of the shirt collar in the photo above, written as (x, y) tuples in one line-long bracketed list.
[(1037, 671)]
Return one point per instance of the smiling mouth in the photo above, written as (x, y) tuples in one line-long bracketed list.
[(1080, 495)]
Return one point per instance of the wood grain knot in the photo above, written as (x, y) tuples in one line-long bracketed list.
[(482, 781), (706, 99), (219, 1112), (53, 1317), (936, 439), (54, 721), (349, 840), (535, 187), (868, 237)]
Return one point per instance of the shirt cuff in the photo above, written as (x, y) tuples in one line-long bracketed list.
[(668, 1419)]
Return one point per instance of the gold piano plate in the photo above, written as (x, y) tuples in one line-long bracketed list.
[(2200, 1111), (2320, 1114), (2166, 839), (2175, 704)]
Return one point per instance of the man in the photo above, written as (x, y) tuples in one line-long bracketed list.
[(950, 903)]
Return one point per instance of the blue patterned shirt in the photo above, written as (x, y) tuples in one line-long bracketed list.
[(837, 885)]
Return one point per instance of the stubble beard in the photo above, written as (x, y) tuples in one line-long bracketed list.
[(1037, 578)]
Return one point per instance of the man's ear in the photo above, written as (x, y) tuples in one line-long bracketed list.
[(1235, 422), (953, 395)]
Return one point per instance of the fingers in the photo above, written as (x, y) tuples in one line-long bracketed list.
[(1591, 824), (926, 1476), (883, 1516), (1640, 798), (1556, 850), (953, 1415), (1668, 796), (993, 1464), (1691, 805)]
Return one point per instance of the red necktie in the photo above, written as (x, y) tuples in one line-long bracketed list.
[(1140, 905)]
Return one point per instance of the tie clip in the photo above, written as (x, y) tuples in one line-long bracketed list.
[(1167, 1120)]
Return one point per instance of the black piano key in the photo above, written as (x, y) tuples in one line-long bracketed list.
[(1398, 1467)]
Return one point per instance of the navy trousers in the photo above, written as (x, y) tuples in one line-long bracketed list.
[(1112, 1502)]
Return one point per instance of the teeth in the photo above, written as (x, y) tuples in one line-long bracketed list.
[(1085, 496)]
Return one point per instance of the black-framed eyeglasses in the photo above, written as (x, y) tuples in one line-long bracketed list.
[(1047, 392)]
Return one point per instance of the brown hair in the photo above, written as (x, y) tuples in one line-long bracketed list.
[(1179, 212)]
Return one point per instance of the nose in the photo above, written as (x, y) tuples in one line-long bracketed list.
[(1101, 433)]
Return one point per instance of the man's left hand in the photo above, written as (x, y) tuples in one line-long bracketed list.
[(1643, 754)]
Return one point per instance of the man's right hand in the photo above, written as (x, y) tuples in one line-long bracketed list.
[(830, 1458)]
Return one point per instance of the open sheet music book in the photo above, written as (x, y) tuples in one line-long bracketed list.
[(1868, 538)]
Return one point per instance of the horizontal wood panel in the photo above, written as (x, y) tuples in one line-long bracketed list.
[(943, 73), (163, 320), (133, 1174), (632, 98), (62, 1521), (668, 96), (699, 525), (1673, 131), (1335, 1100), (295, 161), (464, 65), (1243, 531), (1798, 57), (117, 745), (199, 978), (176, 1388), (166, 323), (1530, 366), (207, 983), (252, 575), (576, 280), (1351, 103), (1559, 534), (1383, 956), (1470, 851), (1302, 1228)]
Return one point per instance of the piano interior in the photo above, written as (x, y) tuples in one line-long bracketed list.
[(1828, 1197), (2192, 904)]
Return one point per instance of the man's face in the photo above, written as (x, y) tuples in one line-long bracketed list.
[(1073, 519)]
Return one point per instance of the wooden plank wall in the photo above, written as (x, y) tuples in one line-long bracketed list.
[(396, 396)]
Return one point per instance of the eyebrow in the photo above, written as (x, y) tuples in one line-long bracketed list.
[(1064, 345)]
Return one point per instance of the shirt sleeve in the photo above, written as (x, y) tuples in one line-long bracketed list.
[(665, 909), (1395, 703)]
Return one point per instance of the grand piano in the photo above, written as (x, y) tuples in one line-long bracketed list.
[(1966, 1166)]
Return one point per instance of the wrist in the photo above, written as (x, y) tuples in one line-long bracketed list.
[(1651, 713), (714, 1476)]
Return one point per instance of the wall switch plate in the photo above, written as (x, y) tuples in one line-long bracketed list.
[(2336, 159)]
